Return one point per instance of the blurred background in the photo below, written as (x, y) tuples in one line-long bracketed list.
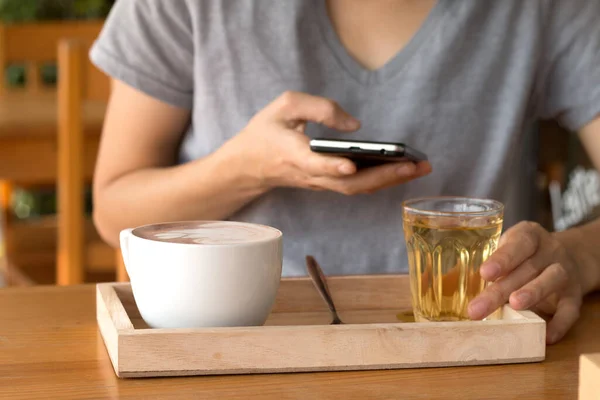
[(51, 109), (31, 147)]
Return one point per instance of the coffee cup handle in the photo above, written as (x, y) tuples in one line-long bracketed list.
[(124, 243)]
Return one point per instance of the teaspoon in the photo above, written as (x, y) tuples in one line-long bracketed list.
[(316, 275)]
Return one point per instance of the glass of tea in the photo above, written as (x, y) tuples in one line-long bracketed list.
[(447, 240)]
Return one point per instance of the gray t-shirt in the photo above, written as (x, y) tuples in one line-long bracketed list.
[(465, 90)]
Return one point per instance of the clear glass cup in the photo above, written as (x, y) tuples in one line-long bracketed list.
[(447, 240)]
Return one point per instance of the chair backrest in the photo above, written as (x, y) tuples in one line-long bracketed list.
[(34, 44), (78, 81)]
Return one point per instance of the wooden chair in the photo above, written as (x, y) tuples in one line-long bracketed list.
[(29, 150), (78, 82), (28, 130), (33, 44)]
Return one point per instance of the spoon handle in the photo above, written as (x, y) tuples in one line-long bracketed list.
[(316, 274)]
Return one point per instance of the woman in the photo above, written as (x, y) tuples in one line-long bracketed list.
[(214, 102)]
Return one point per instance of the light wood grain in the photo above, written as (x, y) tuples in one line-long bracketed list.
[(50, 347), (110, 308), (300, 339), (348, 292), (589, 377)]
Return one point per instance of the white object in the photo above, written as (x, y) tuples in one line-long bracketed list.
[(190, 285), (578, 201), (556, 203)]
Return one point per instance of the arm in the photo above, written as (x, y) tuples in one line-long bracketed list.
[(136, 180)]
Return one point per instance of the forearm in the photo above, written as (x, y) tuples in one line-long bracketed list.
[(211, 188), (583, 244)]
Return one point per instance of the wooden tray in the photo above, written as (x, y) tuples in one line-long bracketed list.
[(297, 336), (589, 376)]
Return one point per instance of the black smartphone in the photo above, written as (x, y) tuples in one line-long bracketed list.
[(367, 153)]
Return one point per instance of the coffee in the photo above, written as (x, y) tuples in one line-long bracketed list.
[(203, 273), (209, 233)]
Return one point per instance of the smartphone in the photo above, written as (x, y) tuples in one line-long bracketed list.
[(367, 153)]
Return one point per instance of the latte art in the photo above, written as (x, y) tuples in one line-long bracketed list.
[(210, 233)]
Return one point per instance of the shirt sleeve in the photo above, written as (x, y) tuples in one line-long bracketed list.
[(148, 44), (570, 64)]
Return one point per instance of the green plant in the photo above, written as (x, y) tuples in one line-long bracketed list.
[(15, 75), (92, 8), (18, 10), (39, 202), (15, 11)]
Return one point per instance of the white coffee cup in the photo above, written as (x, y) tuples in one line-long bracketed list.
[(203, 273)]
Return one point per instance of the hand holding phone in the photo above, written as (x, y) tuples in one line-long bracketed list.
[(272, 151)]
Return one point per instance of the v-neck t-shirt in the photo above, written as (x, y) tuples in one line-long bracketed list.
[(465, 90)]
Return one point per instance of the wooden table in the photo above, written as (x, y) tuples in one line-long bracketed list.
[(28, 134), (50, 347)]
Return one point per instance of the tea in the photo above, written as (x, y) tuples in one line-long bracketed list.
[(444, 256)]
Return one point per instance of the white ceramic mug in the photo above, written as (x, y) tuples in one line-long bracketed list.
[(220, 277)]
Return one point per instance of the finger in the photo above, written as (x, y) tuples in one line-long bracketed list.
[(422, 168), (498, 293), (313, 164), (371, 179), (552, 279), (295, 108), (366, 181), (518, 244), (316, 165), (567, 313)]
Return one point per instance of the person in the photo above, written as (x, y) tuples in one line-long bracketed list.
[(214, 102)]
